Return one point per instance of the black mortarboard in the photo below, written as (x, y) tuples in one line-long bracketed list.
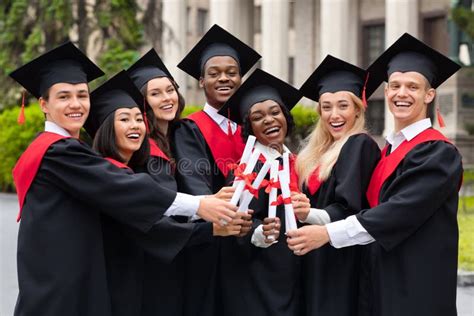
[(410, 54), (65, 64), (218, 42), (334, 75), (118, 92), (150, 66), (260, 86)]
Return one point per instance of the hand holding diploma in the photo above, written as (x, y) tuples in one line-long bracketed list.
[(307, 238)]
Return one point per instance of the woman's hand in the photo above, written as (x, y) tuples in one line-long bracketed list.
[(216, 211), (247, 222), (271, 229), (301, 205), (307, 238)]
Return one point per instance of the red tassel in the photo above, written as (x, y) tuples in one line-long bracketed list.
[(440, 118), (364, 98), (21, 115), (145, 117)]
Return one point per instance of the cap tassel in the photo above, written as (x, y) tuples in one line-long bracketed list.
[(440, 118), (145, 116), (21, 115), (364, 98)]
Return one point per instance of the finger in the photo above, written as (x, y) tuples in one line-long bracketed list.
[(268, 220)]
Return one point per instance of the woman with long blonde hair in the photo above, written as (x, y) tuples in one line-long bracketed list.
[(334, 169)]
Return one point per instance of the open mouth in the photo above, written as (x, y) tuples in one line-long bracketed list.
[(74, 115), (337, 125), (166, 107), (133, 136), (224, 88), (272, 131), (402, 104)]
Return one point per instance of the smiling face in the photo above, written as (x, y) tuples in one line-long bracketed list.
[(338, 113), (129, 130), (408, 95), (162, 97), (268, 123), (67, 106), (220, 80)]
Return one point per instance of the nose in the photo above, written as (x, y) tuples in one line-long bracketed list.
[(402, 91), (335, 112), (223, 77), (166, 96), (75, 103), (268, 119)]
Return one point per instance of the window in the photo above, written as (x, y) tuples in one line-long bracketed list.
[(201, 21), (375, 116), (435, 33), (373, 42), (291, 70)]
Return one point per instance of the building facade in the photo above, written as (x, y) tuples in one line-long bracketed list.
[(293, 36)]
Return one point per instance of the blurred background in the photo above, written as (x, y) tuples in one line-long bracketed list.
[(293, 36)]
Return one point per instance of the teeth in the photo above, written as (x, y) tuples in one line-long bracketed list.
[(167, 107), (272, 130), (133, 135), (75, 115), (399, 103), (223, 89), (337, 124)]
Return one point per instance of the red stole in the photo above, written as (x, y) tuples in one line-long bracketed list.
[(117, 163), (313, 182), (226, 149), (156, 151), (388, 164), (28, 165)]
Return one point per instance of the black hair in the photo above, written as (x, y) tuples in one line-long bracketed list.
[(106, 146), (247, 124)]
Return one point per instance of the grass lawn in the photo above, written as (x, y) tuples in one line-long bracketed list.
[(466, 240)]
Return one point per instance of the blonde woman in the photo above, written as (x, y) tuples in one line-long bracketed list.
[(334, 170)]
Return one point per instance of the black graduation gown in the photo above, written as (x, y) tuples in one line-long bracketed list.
[(331, 276), (414, 257), (61, 265), (259, 281), (198, 174), (163, 287)]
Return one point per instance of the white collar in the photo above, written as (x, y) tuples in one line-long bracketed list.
[(410, 131), (55, 128), (270, 153), (213, 113)]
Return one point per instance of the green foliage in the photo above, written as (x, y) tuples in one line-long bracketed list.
[(464, 19), (15, 138), (466, 241), (189, 109), (305, 118)]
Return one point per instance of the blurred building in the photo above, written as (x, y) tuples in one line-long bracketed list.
[(293, 36)]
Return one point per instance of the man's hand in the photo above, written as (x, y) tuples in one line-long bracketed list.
[(216, 211), (307, 238), (301, 205), (271, 229), (246, 222), (225, 193)]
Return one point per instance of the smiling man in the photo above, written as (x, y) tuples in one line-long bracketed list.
[(204, 145), (412, 225)]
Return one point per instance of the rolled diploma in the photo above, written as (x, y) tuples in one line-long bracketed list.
[(274, 192), (248, 169), (290, 221), (247, 196), (246, 154)]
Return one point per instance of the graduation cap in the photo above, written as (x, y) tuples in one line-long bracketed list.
[(116, 93), (148, 67), (410, 54), (334, 75), (218, 42), (63, 64), (259, 87)]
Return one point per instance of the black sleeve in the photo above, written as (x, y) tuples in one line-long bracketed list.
[(429, 174), (132, 199), (193, 164), (353, 170)]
